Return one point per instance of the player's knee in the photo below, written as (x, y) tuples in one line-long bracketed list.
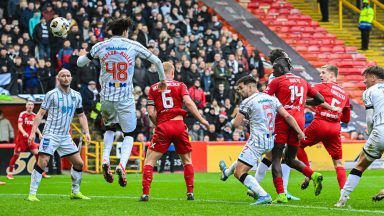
[(289, 161), (78, 165), (238, 173)]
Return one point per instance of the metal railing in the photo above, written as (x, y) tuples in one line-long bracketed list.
[(348, 4)]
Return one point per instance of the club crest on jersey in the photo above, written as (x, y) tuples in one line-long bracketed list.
[(117, 85)]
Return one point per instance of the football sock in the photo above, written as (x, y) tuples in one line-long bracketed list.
[(35, 179), (228, 172), (126, 149), (262, 169), (109, 136), (189, 176), (352, 181), (76, 180), (278, 182), (286, 170), (147, 178), (251, 183), (302, 156), (307, 171), (341, 176), (12, 162)]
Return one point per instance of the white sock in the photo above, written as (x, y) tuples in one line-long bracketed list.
[(126, 149), (76, 180), (251, 183), (286, 170), (352, 181), (108, 140), (230, 170), (35, 181), (262, 170)]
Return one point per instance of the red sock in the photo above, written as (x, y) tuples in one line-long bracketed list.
[(147, 178), (189, 176), (302, 156), (341, 176), (12, 162), (278, 182), (307, 171)]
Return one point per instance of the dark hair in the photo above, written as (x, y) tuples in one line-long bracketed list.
[(246, 80), (119, 25), (277, 53), (375, 70)]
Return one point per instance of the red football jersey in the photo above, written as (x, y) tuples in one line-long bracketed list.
[(335, 96), (27, 121), (292, 92), (168, 103)]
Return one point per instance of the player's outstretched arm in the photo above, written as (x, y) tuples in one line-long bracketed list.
[(36, 123), (193, 109), (152, 114), (83, 58), (317, 100), (84, 124), (291, 121)]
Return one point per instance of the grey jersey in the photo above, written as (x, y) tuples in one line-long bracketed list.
[(374, 99), (117, 59), (261, 110), (61, 108)]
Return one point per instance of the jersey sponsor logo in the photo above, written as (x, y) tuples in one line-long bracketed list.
[(117, 85), (45, 143), (292, 107), (267, 106), (264, 101), (67, 110), (28, 122)]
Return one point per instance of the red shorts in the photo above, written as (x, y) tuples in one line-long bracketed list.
[(326, 132), (173, 131), (285, 134), (22, 146)]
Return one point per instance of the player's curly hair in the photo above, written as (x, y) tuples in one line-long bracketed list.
[(119, 25), (374, 70), (280, 60)]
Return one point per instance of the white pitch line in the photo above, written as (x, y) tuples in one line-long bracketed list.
[(215, 201)]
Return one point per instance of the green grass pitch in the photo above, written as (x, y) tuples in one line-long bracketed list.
[(212, 197)]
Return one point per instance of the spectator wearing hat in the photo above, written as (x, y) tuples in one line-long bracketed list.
[(220, 137), (197, 94), (222, 121), (48, 12), (365, 23), (41, 38), (181, 51)]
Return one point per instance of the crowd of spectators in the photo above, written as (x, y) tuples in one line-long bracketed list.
[(208, 58)]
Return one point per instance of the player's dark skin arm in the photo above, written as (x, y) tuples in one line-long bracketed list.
[(317, 100), (193, 109), (152, 114)]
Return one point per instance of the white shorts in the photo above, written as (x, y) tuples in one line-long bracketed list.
[(121, 112), (251, 154), (374, 147), (62, 143)]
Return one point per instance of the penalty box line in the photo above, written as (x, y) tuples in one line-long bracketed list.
[(213, 201)]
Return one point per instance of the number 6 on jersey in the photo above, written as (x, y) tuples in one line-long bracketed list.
[(167, 101)]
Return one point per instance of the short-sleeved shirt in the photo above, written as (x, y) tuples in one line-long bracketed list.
[(117, 59), (168, 103), (335, 96), (374, 99), (26, 119), (292, 92), (61, 108), (261, 110)]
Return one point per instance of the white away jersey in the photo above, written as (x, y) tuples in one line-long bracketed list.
[(374, 99), (261, 110), (61, 108), (117, 59)]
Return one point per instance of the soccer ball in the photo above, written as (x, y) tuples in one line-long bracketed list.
[(59, 27)]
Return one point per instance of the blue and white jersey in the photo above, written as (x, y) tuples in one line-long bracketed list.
[(261, 110), (61, 108), (117, 59), (374, 99)]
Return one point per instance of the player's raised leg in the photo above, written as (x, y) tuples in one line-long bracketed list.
[(76, 175), (226, 172), (36, 176)]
